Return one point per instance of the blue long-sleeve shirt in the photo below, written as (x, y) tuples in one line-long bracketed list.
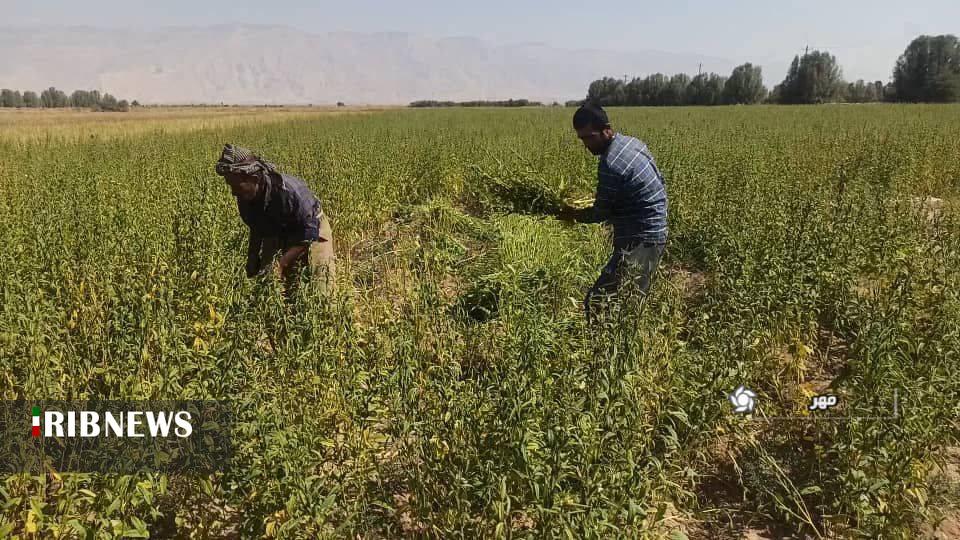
[(631, 193), (287, 210)]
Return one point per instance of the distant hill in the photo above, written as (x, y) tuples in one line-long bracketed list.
[(281, 65)]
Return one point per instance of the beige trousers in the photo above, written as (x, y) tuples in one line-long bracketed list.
[(320, 257)]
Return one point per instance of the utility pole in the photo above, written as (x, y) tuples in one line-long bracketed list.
[(700, 69)]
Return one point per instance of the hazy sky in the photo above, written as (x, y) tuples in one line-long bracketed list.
[(866, 36)]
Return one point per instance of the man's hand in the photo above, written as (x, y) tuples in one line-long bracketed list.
[(286, 261), (253, 255), (569, 214)]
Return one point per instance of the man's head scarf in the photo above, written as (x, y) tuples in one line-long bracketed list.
[(239, 160)]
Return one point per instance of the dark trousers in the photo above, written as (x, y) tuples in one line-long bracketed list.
[(632, 262)]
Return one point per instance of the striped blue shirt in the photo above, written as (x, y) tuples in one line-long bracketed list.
[(631, 193)]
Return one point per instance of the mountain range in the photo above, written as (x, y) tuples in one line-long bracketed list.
[(254, 64)]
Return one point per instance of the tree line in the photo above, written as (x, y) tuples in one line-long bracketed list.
[(927, 71), (53, 98), (744, 85)]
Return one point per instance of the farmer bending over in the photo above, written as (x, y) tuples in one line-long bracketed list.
[(287, 226), (631, 196)]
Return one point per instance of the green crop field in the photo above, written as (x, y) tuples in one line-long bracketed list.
[(450, 386)]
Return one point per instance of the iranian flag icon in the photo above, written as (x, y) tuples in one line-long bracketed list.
[(36, 421)]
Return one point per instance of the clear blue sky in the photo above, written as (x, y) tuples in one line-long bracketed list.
[(866, 36)]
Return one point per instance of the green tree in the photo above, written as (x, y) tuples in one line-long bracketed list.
[(30, 99), (863, 92), (745, 85), (696, 90), (676, 89), (705, 89), (889, 92), (607, 91), (775, 95), (633, 92), (814, 78), (51, 97), (652, 89), (6, 98), (83, 98), (108, 103), (929, 70), (787, 91)]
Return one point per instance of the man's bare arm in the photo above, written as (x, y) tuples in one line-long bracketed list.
[(290, 256), (253, 254)]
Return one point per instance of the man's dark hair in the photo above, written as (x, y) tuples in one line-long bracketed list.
[(590, 114)]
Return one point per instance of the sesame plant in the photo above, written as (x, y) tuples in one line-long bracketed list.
[(450, 386)]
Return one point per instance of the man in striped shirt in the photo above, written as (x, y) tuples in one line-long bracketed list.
[(631, 196)]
